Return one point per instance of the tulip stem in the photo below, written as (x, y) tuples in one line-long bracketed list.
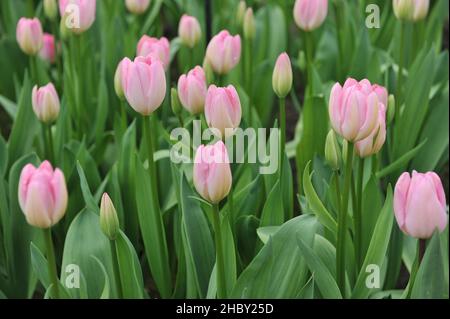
[(51, 155), (309, 48), (220, 269), (33, 69), (248, 66), (342, 221), (51, 262), (400, 65), (283, 132), (358, 213), (115, 262), (414, 269)]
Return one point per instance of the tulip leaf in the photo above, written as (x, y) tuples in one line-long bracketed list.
[(264, 233), (273, 212), (87, 195), (106, 288), (40, 265)]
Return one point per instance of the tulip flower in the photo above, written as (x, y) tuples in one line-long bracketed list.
[(420, 204), (192, 90), (42, 195), (354, 108), (223, 109), (29, 35), (45, 102), (224, 52), (156, 48), (282, 76), (310, 14), (189, 30), (109, 222), (373, 143), (411, 10), (212, 173), (48, 50), (50, 9), (137, 6), (143, 83), (78, 15)]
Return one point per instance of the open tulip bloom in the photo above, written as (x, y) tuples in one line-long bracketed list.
[(229, 149)]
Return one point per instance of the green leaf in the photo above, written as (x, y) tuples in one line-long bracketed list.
[(3, 156), (273, 212), (9, 106), (106, 288), (264, 233), (40, 265), (87, 195)]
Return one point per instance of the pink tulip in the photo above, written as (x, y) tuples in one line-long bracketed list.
[(137, 6), (189, 30), (223, 109), (310, 14), (192, 90), (29, 35), (156, 48), (144, 83), (79, 14), (282, 76), (212, 173), (48, 50), (45, 102), (375, 141), (224, 52), (354, 108), (42, 195), (411, 10), (419, 204)]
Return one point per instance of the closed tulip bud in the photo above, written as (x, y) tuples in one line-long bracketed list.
[(354, 109), (175, 101), (242, 7), (332, 151), (411, 10), (391, 109), (223, 109), (77, 15), (29, 35), (282, 76), (209, 73), (50, 9), (373, 143), (42, 195), (249, 24), (109, 222), (118, 80), (224, 52), (189, 30), (156, 48), (48, 50), (137, 6), (420, 204), (143, 83), (45, 102), (212, 173), (310, 14), (192, 90)]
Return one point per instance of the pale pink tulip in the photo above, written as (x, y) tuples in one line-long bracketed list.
[(354, 108), (79, 14), (143, 83), (45, 102), (137, 6), (192, 90), (48, 50), (212, 173), (156, 48), (42, 194), (310, 14), (375, 141), (411, 10), (29, 35), (282, 76), (224, 52), (223, 109), (419, 204), (189, 30)]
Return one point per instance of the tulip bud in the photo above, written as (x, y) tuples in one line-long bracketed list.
[(249, 24), (391, 108), (310, 14), (420, 204), (411, 10), (192, 90), (212, 173), (175, 102), (282, 76), (224, 52), (332, 151), (156, 48), (223, 109), (29, 35), (42, 194), (242, 7), (50, 9), (137, 6), (189, 30), (48, 50), (118, 81), (77, 15), (109, 222), (209, 73), (45, 102)]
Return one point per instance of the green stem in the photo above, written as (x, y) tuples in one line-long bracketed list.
[(51, 152), (309, 48), (337, 188), (33, 69), (339, 25), (414, 269), (358, 213), (115, 262), (283, 132), (45, 140), (54, 24), (342, 221), (400, 66), (51, 262), (220, 265)]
